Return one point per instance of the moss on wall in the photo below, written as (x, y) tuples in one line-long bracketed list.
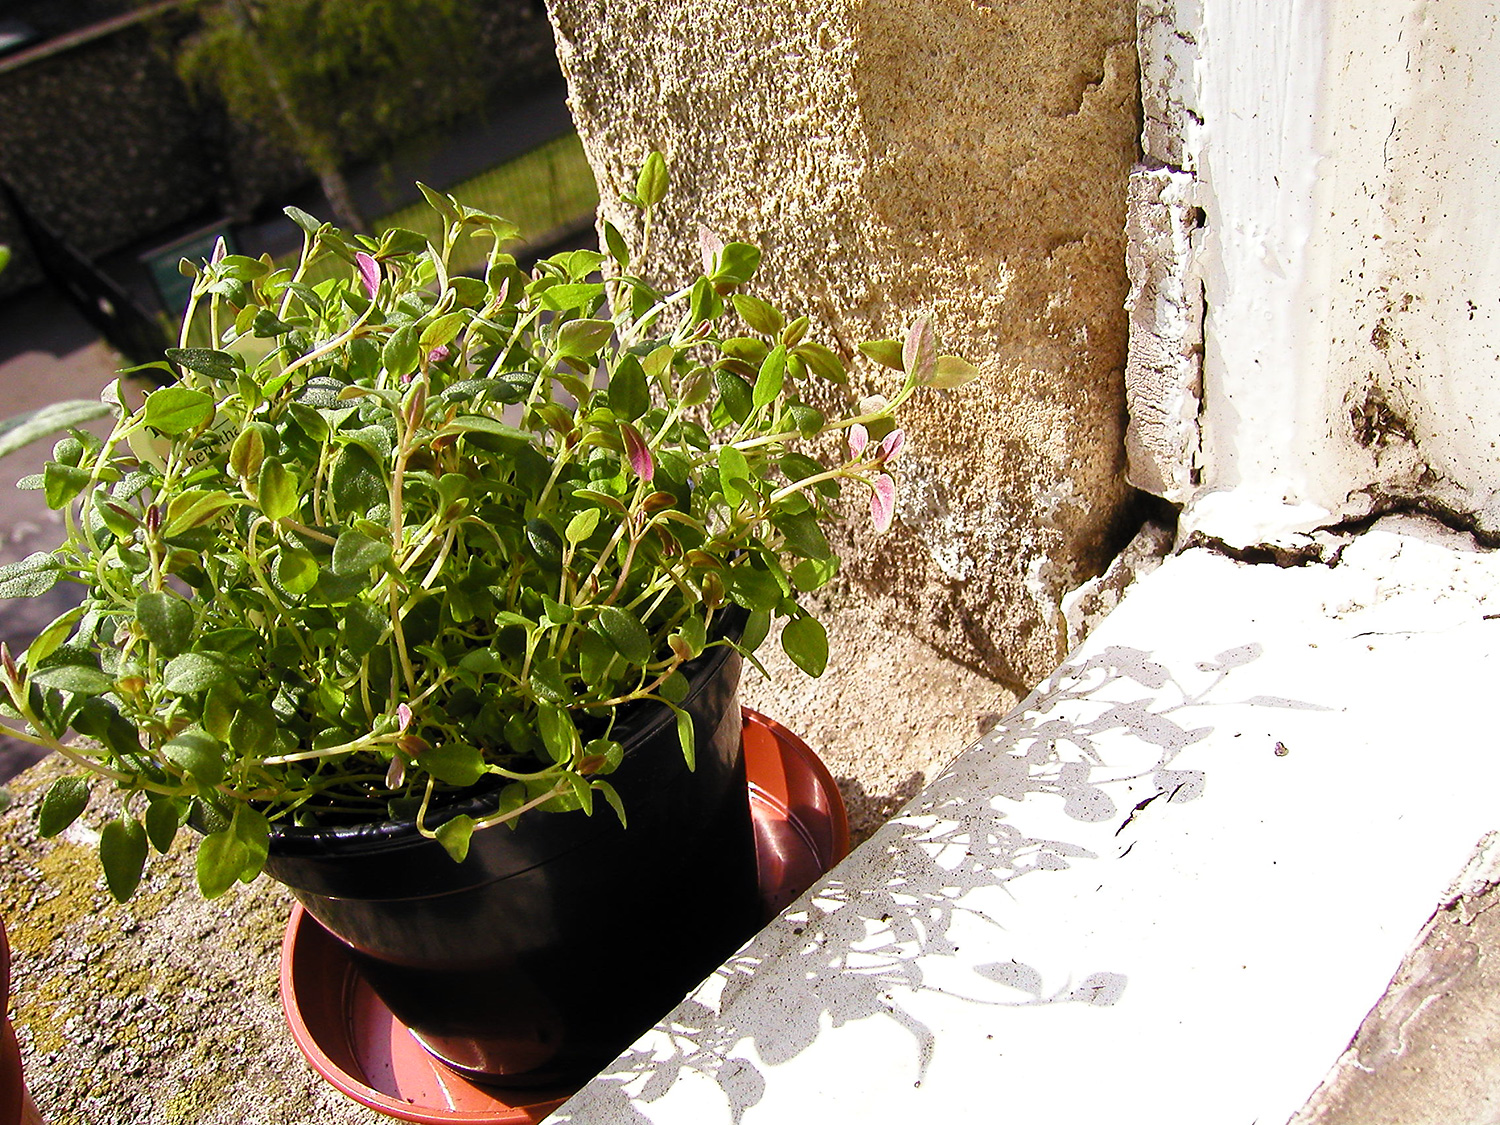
[(163, 1011)]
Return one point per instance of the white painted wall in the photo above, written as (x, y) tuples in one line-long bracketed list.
[(1346, 158)]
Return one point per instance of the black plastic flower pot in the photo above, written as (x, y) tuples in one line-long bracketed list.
[(556, 943)]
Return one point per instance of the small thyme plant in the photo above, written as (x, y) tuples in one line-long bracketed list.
[(399, 532)]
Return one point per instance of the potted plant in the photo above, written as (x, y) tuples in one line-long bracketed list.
[(404, 556)]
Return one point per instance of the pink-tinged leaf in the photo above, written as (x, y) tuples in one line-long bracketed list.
[(403, 716), (637, 451), (369, 271), (919, 353), (859, 437), (883, 502), (437, 355), (891, 446), (710, 246)]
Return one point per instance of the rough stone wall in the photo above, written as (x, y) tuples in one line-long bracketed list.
[(904, 157)]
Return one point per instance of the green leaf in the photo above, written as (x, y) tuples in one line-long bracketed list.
[(357, 482), (950, 371), (454, 835), (548, 682), (737, 264), (887, 353), (176, 410), (481, 424), (77, 678), (612, 797), (363, 626), (675, 688), (193, 672), (194, 508), (236, 852), (296, 570), (205, 361), (453, 761), (248, 452), (757, 626), (221, 857), (769, 381), (276, 490), (822, 361), (559, 735), (35, 574), (704, 303), (758, 315), (167, 620), (580, 339), (806, 642), (626, 633), (354, 554), (735, 394), (198, 754), (651, 182), (60, 483), (803, 535), (122, 852), (814, 574), (401, 351), (443, 204), (582, 525), (64, 802), (685, 737), (614, 242), (20, 430), (163, 819), (545, 543), (252, 732), (441, 331), (809, 423), (753, 589), (694, 634), (101, 720), (629, 397), (566, 298), (308, 224), (48, 639), (734, 475)]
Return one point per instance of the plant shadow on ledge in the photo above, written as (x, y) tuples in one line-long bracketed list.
[(408, 555)]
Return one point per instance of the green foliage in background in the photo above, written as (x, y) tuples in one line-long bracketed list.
[(331, 77)]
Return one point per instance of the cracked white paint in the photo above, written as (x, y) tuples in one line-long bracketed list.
[(1345, 157), (1164, 370)]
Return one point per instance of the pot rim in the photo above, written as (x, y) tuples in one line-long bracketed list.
[(640, 720)]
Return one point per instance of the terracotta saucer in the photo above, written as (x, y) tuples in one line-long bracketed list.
[(354, 1041)]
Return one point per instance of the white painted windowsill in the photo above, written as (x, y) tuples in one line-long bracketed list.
[(1166, 889)]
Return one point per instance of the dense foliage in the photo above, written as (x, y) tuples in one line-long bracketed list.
[(400, 532)]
